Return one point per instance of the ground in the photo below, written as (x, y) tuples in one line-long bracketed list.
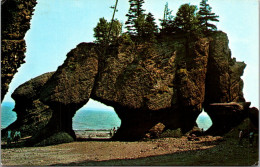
[(165, 151)]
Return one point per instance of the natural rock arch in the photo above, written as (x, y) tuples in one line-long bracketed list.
[(145, 84), (168, 81), (95, 116), (130, 83), (204, 121)]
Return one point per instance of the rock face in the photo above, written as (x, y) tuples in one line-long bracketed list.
[(225, 116), (223, 81), (32, 114), (168, 82), (16, 16), (254, 117), (70, 88), (224, 85), (144, 83)]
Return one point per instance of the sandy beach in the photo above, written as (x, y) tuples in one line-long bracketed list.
[(207, 150)]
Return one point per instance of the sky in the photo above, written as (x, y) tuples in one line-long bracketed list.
[(58, 26)]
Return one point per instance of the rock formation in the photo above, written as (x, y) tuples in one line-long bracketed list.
[(254, 117), (167, 82), (16, 16), (32, 114), (226, 116), (223, 81), (146, 84)]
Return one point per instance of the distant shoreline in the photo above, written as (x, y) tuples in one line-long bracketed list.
[(93, 134)]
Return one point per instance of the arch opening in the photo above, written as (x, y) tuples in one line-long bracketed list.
[(95, 120), (204, 121)]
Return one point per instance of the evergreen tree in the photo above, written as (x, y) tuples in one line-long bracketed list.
[(101, 31), (146, 27), (134, 12), (167, 22), (116, 30), (150, 27), (186, 19), (206, 15), (139, 24), (150, 24), (167, 17)]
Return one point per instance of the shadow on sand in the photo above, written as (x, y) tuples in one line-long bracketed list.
[(216, 155)]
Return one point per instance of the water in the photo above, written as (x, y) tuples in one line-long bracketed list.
[(95, 119), (7, 115), (90, 119), (204, 121)]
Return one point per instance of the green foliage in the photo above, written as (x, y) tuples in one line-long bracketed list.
[(139, 24), (151, 26), (146, 27), (205, 15), (135, 11), (186, 19), (116, 30), (167, 20), (125, 39), (101, 31)]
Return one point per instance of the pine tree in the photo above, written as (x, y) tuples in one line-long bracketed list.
[(150, 27), (101, 31), (167, 23), (206, 15), (140, 24), (116, 30), (186, 19), (134, 12), (146, 27), (167, 17)]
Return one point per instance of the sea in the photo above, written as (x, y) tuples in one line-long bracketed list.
[(90, 118)]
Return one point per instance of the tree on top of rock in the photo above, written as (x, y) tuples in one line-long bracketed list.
[(167, 16), (101, 31), (146, 27), (186, 19), (206, 15), (151, 25), (167, 21), (134, 12)]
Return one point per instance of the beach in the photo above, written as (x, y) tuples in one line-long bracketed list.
[(94, 148), (208, 150)]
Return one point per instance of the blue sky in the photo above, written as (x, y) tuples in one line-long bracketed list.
[(59, 25)]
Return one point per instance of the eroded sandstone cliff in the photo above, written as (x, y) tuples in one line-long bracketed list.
[(32, 114), (169, 81), (15, 22)]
